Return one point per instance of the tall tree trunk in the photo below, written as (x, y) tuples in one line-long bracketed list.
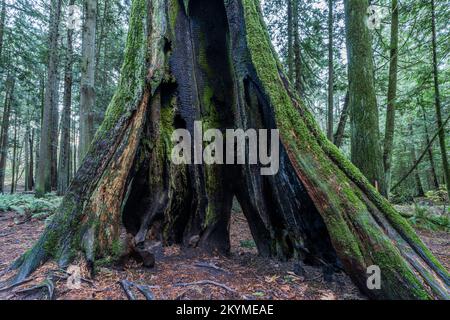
[(65, 147), (318, 208), (433, 175), (391, 98), (2, 28), (29, 161), (296, 45), (365, 133), (14, 157), (4, 143), (54, 137), (339, 135), (100, 73), (290, 35), (87, 91), (330, 118), (445, 166), (47, 141), (74, 151), (419, 187), (39, 132)]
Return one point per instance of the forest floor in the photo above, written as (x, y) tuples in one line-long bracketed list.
[(181, 274)]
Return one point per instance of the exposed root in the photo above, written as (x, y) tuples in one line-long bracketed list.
[(47, 287), (13, 285)]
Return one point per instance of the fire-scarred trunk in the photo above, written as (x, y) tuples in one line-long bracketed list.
[(212, 60)]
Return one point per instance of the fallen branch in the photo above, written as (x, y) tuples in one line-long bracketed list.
[(126, 286), (144, 289), (205, 282)]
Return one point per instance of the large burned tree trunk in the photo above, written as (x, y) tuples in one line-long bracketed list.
[(212, 60)]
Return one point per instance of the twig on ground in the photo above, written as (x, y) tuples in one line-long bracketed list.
[(68, 274), (210, 266), (205, 282)]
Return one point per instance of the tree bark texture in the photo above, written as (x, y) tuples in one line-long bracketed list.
[(365, 133), (213, 61)]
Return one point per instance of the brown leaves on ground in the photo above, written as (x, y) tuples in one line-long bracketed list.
[(246, 275)]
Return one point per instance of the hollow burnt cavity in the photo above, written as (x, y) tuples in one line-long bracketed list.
[(211, 60), (211, 80)]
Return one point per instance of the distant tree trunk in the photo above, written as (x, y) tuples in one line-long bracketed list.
[(433, 175), (2, 28), (391, 97), (297, 50), (74, 151), (318, 208), (29, 163), (27, 158), (445, 166), (14, 157), (65, 147), (290, 35), (339, 135), (365, 133), (54, 137), (38, 136), (330, 129), (47, 141), (101, 38), (87, 91), (419, 187), (104, 25), (4, 143)]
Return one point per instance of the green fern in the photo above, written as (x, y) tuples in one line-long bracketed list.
[(24, 204)]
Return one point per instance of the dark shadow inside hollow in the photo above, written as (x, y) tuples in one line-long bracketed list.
[(214, 83)]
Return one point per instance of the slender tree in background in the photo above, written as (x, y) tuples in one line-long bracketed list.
[(65, 147), (47, 140), (365, 133), (330, 117), (439, 121), (318, 208), (14, 171), (29, 158), (2, 27), (418, 182), (87, 91), (391, 97), (296, 47), (290, 47), (4, 143), (340, 131), (433, 175)]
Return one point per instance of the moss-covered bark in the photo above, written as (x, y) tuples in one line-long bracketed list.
[(213, 61), (365, 133)]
